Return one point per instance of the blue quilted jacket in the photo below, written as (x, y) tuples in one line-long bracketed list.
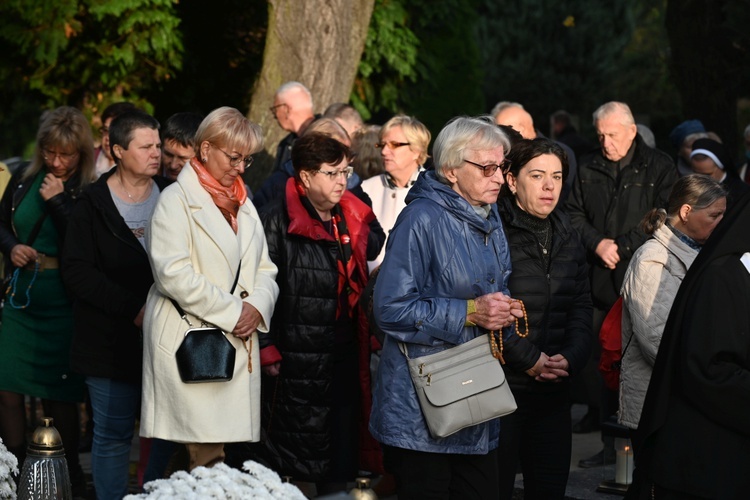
[(440, 254)]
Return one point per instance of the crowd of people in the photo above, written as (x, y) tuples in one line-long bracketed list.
[(366, 247)]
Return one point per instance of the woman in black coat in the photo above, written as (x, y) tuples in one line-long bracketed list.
[(107, 272), (316, 369), (550, 276)]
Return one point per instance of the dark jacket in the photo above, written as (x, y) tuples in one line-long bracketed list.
[(606, 203), (736, 188), (59, 208), (108, 275), (694, 431), (557, 301), (296, 406)]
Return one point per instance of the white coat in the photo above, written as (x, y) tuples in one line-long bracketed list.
[(194, 256), (387, 202), (649, 288)]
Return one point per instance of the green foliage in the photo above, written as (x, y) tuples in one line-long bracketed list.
[(388, 60), (420, 58), (91, 52)]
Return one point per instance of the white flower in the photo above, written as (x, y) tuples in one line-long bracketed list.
[(221, 482), (8, 467)]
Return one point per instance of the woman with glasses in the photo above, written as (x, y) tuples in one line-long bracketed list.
[(444, 282), (209, 257), (315, 361), (550, 276), (403, 146), (37, 326)]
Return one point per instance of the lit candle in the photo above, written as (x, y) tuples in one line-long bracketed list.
[(624, 466)]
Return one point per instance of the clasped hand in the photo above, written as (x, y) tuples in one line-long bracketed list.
[(495, 311), (549, 368), (248, 322)]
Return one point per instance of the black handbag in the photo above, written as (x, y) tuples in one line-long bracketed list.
[(205, 354)]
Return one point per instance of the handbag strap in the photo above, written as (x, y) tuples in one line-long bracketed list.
[(182, 312)]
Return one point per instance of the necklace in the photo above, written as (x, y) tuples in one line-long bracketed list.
[(545, 245), (146, 193)]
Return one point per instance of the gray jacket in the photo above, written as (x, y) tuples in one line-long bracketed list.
[(649, 288)]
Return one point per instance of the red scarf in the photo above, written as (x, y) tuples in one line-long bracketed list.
[(227, 199)]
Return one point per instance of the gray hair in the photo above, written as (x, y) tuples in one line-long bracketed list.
[(296, 87), (503, 105), (615, 107), (462, 133)]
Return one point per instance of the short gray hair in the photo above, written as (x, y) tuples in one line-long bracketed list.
[(295, 86), (462, 133), (614, 107), (503, 105)]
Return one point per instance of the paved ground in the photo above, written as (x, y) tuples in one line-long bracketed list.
[(582, 483)]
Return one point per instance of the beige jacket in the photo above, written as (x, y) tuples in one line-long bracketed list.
[(194, 256), (649, 288)]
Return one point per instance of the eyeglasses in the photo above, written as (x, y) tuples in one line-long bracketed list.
[(235, 160), (64, 157), (345, 172), (104, 130), (391, 144), (273, 109), (489, 170)]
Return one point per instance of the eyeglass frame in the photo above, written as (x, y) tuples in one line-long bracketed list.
[(64, 157), (390, 144), (504, 167), (348, 171), (273, 108), (234, 161)]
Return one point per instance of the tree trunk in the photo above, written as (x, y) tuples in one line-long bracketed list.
[(318, 43), (706, 65)]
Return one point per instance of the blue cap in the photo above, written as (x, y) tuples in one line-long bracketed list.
[(684, 129)]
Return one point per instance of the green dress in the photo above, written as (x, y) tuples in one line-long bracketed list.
[(35, 341)]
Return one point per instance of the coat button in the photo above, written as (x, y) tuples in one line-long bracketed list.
[(492, 280), (244, 294)]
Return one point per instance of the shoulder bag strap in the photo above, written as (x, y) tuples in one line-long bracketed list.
[(37, 227), (182, 312)]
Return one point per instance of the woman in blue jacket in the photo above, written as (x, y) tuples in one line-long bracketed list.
[(444, 282)]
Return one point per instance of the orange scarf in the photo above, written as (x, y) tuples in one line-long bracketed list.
[(227, 199)]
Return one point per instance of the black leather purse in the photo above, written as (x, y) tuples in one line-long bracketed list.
[(205, 354)]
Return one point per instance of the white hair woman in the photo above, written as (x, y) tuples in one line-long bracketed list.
[(443, 282)]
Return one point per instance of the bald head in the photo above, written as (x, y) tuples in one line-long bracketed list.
[(519, 119)]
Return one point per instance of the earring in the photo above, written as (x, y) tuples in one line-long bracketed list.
[(204, 159)]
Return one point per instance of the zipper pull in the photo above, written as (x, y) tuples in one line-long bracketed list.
[(486, 237)]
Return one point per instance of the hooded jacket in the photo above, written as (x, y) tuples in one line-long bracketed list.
[(440, 254)]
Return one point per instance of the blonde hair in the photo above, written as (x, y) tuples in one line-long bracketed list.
[(416, 133), (65, 127), (228, 128)]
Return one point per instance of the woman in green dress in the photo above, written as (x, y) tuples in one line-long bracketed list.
[(37, 322)]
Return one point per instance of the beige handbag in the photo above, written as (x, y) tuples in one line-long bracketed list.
[(461, 386)]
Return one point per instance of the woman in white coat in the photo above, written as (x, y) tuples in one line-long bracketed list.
[(203, 229), (695, 206)]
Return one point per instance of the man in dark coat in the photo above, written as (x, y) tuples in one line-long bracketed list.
[(616, 186), (293, 110), (693, 440)]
